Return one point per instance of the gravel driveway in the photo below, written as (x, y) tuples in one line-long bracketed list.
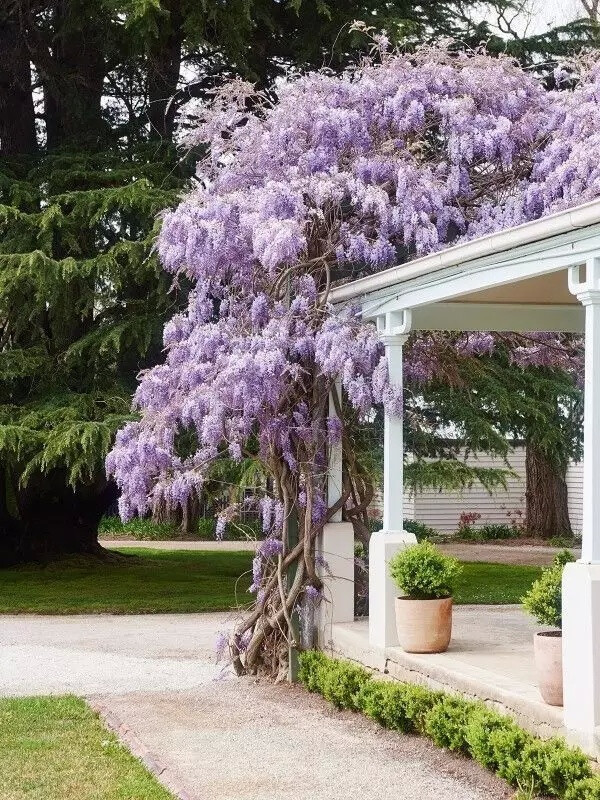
[(214, 736)]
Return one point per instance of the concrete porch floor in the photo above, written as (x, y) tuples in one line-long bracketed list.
[(490, 658)]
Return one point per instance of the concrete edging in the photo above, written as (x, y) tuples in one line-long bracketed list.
[(138, 749)]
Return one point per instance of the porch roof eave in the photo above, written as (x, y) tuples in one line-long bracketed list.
[(537, 248)]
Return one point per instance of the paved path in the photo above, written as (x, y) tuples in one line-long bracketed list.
[(104, 653), (218, 737), (494, 553), (504, 554), (110, 544)]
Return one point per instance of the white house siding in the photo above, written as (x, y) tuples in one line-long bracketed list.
[(575, 490), (442, 510)]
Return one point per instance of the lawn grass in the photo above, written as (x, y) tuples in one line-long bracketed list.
[(154, 581), (494, 583), (190, 580), (56, 748)]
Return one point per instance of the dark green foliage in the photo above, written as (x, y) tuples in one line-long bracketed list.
[(555, 44), (489, 401), (110, 70), (562, 766), (420, 529), (544, 599), (447, 721), (489, 533), (149, 530), (586, 789), (309, 672), (341, 683), (401, 707), (497, 743), (453, 475), (338, 681), (549, 767), (83, 302)]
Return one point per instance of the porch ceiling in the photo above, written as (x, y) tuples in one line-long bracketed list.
[(548, 289)]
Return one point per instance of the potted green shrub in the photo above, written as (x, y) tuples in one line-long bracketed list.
[(544, 602), (426, 578)]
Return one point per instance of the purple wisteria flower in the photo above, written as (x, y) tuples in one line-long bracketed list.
[(341, 177)]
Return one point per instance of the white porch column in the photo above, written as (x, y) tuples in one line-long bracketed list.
[(581, 581), (385, 543), (335, 546)]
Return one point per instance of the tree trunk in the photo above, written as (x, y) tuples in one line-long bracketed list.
[(190, 516), (73, 77), (17, 118), (546, 496), (49, 519), (164, 63)]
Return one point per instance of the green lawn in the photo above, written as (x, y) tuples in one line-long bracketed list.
[(155, 581), (494, 583), (191, 580), (56, 748)]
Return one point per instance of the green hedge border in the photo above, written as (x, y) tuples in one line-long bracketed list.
[(542, 766)]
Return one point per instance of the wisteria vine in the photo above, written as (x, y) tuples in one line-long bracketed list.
[(344, 175)]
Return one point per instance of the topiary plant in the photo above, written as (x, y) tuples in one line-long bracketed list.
[(544, 600), (422, 572)]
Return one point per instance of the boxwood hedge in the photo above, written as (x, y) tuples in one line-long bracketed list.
[(550, 767)]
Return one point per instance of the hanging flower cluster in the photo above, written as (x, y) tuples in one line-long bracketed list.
[(344, 175)]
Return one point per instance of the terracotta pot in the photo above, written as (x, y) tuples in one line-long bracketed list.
[(424, 626), (547, 650)]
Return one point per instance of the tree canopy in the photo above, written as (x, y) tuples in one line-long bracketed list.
[(90, 100), (82, 304)]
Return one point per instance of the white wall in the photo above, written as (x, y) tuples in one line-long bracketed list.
[(442, 510), (575, 489)]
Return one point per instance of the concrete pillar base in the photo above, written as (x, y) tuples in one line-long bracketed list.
[(581, 648), (336, 546), (383, 545)]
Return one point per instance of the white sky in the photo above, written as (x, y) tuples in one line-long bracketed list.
[(555, 12), (542, 14)]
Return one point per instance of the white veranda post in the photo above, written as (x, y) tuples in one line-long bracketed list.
[(335, 548), (394, 329), (581, 580)]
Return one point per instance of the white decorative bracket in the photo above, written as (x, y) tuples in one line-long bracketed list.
[(587, 290), (395, 323)]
